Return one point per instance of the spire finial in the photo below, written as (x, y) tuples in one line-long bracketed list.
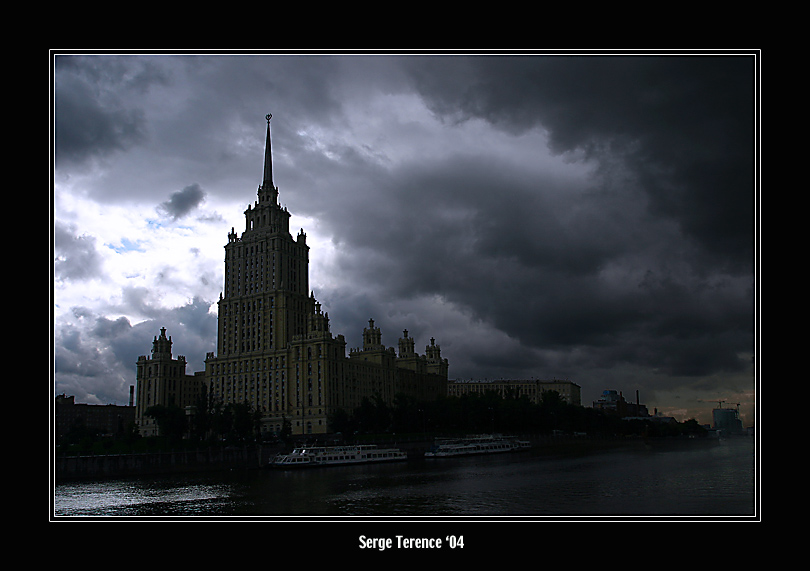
[(268, 158)]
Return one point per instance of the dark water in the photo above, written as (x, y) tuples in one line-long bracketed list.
[(684, 480)]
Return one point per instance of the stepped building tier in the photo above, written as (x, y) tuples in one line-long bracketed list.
[(275, 350)]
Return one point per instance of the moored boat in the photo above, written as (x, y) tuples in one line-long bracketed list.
[(479, 444), (314, 456)]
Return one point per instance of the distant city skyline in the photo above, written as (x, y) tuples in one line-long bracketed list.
[(580, 218)]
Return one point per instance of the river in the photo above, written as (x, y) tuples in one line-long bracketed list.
[(700, 480)]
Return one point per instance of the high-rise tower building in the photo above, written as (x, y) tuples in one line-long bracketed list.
[(274, 347), (266, 300)]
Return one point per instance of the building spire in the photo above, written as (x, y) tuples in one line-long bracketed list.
[(267, 181)]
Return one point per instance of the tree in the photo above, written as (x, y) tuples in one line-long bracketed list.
[(339, 420), (372, 415), (171, 420), (286, 430), (203, 419), (245, 421)]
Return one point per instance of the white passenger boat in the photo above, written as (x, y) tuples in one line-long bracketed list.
[(313, 456), (479, 444)]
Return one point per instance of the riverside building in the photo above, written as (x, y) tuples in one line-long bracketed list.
[(275, 350), (162, 380), (531, 389)]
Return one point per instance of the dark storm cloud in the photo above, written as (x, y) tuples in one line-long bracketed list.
[(647, 262), (93, 119), (182, 202), (683, 125)]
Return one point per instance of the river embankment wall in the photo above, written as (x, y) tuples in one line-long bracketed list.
[(252, 456), (158, 463)]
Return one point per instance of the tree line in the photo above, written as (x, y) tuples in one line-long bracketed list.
[(215, 422), (490, 412)]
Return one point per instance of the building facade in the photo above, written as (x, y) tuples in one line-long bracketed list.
[(275, 350), (727, 420), (106, 419), (614, 402), (162, 380), (531, 389)]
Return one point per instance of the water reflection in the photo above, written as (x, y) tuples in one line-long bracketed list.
[(140, 497), (706, 480)]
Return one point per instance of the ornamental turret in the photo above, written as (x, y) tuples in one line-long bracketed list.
[(162, 346), (372, 337)]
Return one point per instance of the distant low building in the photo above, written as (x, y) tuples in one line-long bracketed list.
[(532, 389), (614, 402), (727, 420), (105, 419)]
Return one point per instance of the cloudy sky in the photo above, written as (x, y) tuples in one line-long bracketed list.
[(581, 217)]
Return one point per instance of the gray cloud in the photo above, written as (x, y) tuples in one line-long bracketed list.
[(76, 257), (182, 202)]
